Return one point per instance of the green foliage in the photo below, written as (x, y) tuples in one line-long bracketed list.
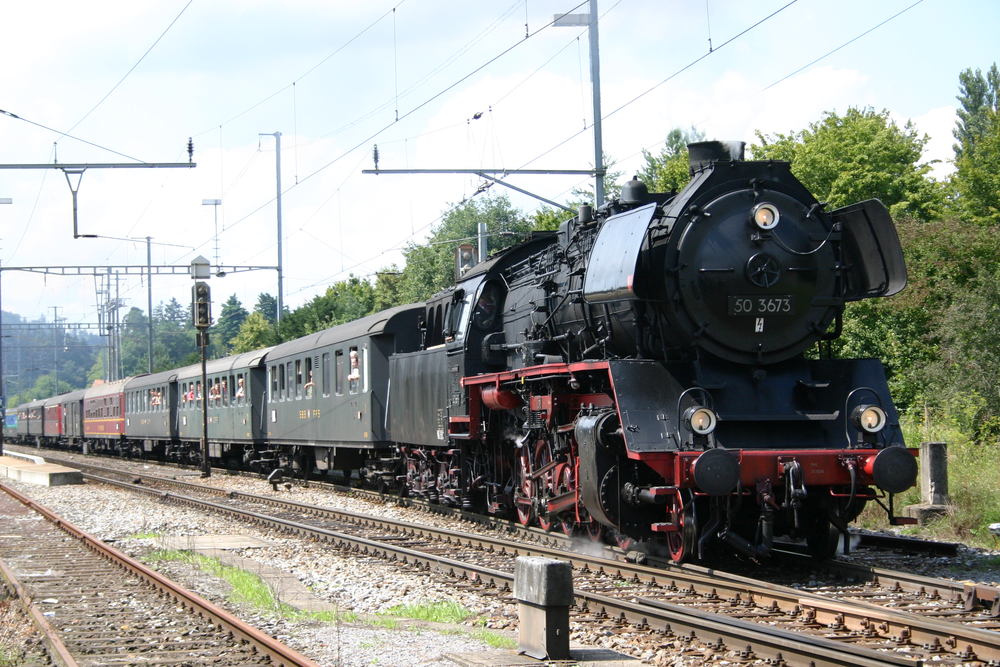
[(387, 286), (973, 470), (860, 155), (228, 324), (965, 372), (669, 171), (548, 219), (442, 611), (431, 267), (343, 301), (267, 306), (494, 639), (44, 387), (247, 587), (934, 336), (979, 97), (977, 177), (611, 182), (255, 333)]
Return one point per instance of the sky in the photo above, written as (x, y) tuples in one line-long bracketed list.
[(435, 84)]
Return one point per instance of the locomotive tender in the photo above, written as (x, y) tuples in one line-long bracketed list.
[(641, 374)]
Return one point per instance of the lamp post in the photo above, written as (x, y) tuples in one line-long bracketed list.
[(214, 203), (201, 313), (3, 393)]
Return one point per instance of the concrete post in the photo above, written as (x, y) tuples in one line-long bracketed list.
[(934, 473), (934, 500), (544, 590)]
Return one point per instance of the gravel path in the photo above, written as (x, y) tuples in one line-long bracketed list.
[(362, 585)]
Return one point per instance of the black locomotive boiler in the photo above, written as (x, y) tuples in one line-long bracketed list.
[(643, 373), (651, 371)]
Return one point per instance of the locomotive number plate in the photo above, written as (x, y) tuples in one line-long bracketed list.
[(760, 305)]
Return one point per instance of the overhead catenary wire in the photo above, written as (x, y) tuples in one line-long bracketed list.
[(850, 41), (469, 44), (132, 69), (676, 73), (367, 140), (70, 136)]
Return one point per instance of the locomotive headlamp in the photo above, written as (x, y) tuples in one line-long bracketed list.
[(765, 216), (701, 421), (869, 418)]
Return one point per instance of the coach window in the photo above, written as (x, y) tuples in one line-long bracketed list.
[(309, 388), (338, 372), (280, 370), (298, 378), (354, 377), (274, 383), (325, 374)]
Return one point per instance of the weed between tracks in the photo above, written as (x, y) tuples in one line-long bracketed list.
[(249, 588), (16, 634)]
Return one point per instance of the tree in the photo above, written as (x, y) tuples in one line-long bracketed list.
[(134, 350), (548, 219), (343, 301), (387, 283), (977, 178), (228, 325), (255, 333), (980, 97), (964, 375), (669, 171), (611, 181), (431, 267), (174, 337), (860, 155), (267, 306)]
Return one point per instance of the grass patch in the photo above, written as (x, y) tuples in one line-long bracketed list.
[(973, 471), (144, 535), (444, 611), (494, 639), (386, 622), (249, 588)]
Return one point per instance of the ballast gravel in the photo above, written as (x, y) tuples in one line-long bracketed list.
[(365, 586)]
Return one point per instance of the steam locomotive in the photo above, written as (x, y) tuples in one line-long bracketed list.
[(649, 372)]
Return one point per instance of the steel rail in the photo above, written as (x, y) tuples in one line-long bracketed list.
[(278, 652), (57, 651), (861, 617), (749, 638), (970, 594)]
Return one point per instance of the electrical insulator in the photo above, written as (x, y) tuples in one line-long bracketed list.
[(201, 305)]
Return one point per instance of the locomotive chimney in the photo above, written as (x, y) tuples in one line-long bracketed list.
[(703, 153)]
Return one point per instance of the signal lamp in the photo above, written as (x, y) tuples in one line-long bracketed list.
[(701, 421), (869, 418), (765, 216)]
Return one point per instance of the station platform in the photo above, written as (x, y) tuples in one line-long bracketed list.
[(31, 472)]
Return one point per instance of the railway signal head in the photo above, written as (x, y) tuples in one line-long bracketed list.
[(201, 305)]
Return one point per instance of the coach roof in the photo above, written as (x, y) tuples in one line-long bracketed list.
[(371, 325)]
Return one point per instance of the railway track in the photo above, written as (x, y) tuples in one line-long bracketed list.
[(916, 618), (96, 606)]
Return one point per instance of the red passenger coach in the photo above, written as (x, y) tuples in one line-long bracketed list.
[(52, 421), (104, 412)]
